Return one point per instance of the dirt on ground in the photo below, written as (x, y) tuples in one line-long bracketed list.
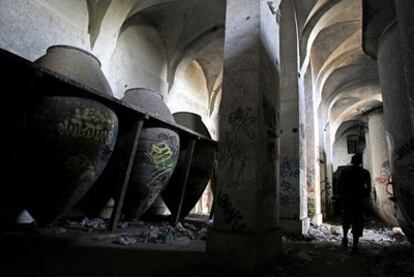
[(383, 251), (160, 249)]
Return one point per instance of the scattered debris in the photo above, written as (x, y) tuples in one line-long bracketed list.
[(384, 251), (139, 232), (202, 234), (95, 224), (123, 225), (333, 233), (126, 240)]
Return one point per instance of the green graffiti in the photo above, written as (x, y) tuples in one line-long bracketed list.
[(88, 123), (161, 155)]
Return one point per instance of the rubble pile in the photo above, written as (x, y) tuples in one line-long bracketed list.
[(384, 251), (131, 233), (165, 233), (333, 233)]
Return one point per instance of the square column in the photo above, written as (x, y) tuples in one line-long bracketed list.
[(245, 234), (293, 202)]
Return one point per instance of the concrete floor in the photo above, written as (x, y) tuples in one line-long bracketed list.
[(39, 255), (28, 257)]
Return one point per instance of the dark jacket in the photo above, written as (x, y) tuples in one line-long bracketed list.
[(355, 186)]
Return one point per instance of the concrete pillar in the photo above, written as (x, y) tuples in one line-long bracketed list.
[(380, 168), (291, 198), (245, 234), (367, 164), (405, 22), (397, 90), (326, 185), (328, 153), (312, 180)]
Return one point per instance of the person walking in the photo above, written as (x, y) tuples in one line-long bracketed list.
[(355, 187)]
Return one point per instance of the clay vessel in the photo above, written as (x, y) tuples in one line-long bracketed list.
[(156, 157), (70, 139), (200, 169)]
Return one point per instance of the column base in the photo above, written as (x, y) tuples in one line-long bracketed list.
[(295, 226), (243, 252), (317, 219)]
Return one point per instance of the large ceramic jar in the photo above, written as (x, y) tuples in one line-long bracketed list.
[(156, 157), (201, 168), (70, 138), (398, 117)]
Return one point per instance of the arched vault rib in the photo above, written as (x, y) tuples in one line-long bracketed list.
[(330, 41), (344, 55), (351, 93), (347, 60), (189, 52), (354, 111), (329, 14), (120, 10), (342, 76), (345, 127)]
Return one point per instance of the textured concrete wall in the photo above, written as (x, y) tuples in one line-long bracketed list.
[(139, 59), (340, 154), (398, 110), (29, 27), (381, 168)]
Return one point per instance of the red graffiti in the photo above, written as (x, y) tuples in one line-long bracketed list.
[(387, 182), (385, 178)]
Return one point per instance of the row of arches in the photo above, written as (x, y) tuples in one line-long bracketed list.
[(341, 83)]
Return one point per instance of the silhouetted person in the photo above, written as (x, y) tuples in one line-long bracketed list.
[(355, 185)]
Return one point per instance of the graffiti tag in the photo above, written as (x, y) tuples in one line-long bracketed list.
[(242, 119), (88, 123), (161, 155), (232, 216)]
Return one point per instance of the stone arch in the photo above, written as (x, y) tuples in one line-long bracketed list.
[(351, 93), (354, 111)]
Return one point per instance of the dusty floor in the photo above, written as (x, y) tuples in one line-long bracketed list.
[(178, 251), (327, 258), (383, 252)]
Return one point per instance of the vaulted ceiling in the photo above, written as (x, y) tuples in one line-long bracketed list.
[(344, 78)]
